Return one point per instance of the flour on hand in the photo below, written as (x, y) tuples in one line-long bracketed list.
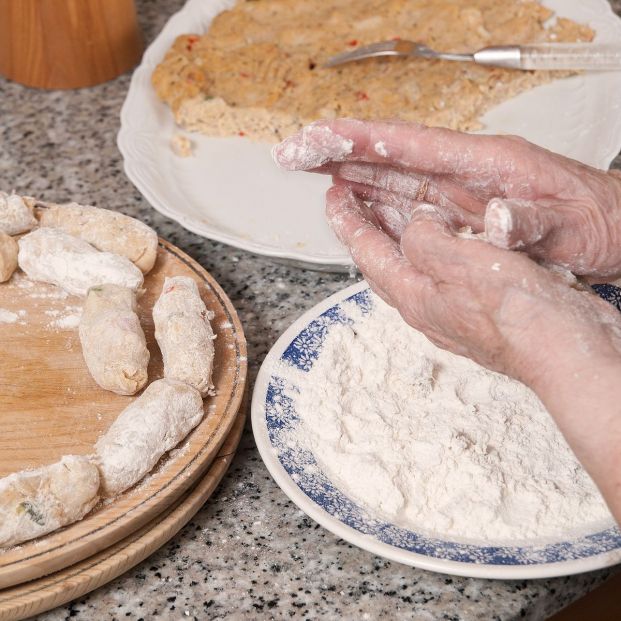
[(314, 146)]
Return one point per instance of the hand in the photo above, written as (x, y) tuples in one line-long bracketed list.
[(470, 297), (523, 196), (507, 313)]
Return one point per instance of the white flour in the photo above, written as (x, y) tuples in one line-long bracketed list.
[(6, 316), (64, 318), (68, 322), (51, 255), (434, 442), (313, 146), (380, 149), (162, 416)]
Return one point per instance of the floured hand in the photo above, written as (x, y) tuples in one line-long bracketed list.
[(523, 196), (467, 295), (505, 312)]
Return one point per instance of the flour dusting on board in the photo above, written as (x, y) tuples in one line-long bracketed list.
[(59, 313), (6, 316), (432, 441), (68, 321), (65, 318)]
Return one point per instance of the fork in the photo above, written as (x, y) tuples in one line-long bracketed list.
[(564, 56)]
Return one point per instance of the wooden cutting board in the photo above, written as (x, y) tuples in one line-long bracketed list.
[(26, 600), (50, 406)]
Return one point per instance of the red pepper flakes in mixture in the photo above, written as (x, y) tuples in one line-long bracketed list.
[(190, 43)]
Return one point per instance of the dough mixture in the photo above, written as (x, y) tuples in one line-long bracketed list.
[(258, 71)]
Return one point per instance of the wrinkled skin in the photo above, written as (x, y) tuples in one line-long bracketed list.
[(468, 296), (548, 198), (498, 307)]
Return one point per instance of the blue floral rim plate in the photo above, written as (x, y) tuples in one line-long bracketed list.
[(297, 473)]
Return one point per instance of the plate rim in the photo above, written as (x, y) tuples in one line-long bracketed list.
[(337, 262), (329, 262), (367, 542)]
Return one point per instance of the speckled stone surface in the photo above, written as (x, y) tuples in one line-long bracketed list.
[(249, 553)]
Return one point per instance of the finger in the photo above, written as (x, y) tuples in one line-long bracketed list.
[(515, 223), (489, 165), (365, 211), (546, 229), (377, 256), (431, 245), (411, 146), (383, 177), (392, 219), (440, 190), (371, 193), (406, 203), (311, 147), (395, 219)]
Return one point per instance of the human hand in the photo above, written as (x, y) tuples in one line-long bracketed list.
[(468, 296), (523, 196), (505, 312)]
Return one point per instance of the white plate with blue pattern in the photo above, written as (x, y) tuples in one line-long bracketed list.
[(298, 474)]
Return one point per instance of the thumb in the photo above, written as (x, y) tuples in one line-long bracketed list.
[(515, 223)]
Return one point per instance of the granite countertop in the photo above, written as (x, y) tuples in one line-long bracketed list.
[(249, 553)]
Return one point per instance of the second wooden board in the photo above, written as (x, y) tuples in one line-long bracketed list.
[(26, 600), (50, 406)]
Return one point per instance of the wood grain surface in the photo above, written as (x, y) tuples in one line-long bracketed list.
[(67, 43), (61, 587), (50, 406)]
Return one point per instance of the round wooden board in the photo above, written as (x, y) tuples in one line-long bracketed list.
[(50, 406), (68, 584)]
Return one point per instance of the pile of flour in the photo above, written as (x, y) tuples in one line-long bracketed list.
[(434, 442)]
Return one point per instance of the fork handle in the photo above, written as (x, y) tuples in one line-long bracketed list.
[(552, 56)]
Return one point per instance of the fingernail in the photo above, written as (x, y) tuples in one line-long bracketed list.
[(427, 211), (392, 219), (513, 223), (310, 148), (498, 223)]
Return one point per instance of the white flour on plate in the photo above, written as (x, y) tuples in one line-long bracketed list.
[(434, 442)]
